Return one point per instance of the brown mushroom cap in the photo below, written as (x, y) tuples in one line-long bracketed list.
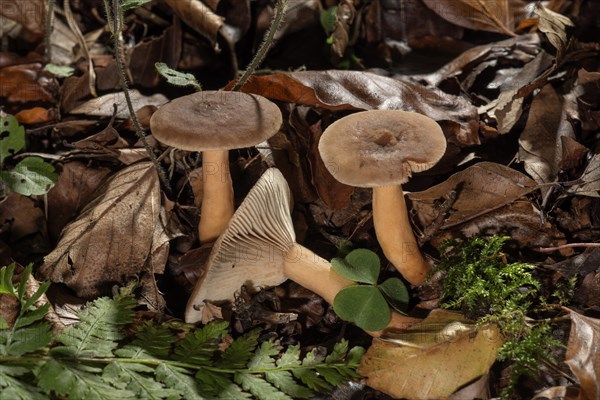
[(215, 120), (381, 147)]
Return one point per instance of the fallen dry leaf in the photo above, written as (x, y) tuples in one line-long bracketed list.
[(73, 190), (480, 189), (103, 106), (582, 354), (485, 15), (520, 220), (27, 82), (508, 107), (20, 217), (30, 14), (540, 144), (554, 26), (112, 238), (431, 359), (356, 90), (165, 48), (36, 115), (590, 179), (522, 48), (198, 17)]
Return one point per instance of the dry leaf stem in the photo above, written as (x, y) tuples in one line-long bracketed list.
[(114, 24), (48, 29), (264, 46)]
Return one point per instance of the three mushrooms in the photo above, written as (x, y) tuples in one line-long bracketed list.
[(256, 246)]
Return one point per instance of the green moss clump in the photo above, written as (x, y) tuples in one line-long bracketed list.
[(485, 287)]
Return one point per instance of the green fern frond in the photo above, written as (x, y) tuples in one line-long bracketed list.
[(198, 347), (94, 360), (99, 330)]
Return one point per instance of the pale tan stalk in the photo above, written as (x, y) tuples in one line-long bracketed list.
[(315, 273), (217, 196), (395, 235)]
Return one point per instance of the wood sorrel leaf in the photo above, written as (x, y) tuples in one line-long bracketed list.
[(360, 265), (395, 292), (364, 305), (31, 176), (12, 136)]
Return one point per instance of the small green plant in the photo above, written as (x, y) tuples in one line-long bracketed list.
[(177, 78), (485, 287), (95, 359), (31, 175), (366, 304)]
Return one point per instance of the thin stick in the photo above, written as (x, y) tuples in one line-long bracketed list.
[(566, 246), (264, 46), (116, 32), (48, 29)]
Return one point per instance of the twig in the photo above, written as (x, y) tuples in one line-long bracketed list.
[(565, 246), (264, 46), (48, 29), (116, 33)]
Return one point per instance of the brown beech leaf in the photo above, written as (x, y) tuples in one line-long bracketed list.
[(36, 115), (590, 179), (540, 144), (30, 14), (112, 238), (554, 25), (582, 354), (74, 189), (480, 15), (431, 359), (520, 220), (164, 48), (103, 106), (356, 90), (198, 17), (508, 107), (522, 48), (27, 82), (480, 189)]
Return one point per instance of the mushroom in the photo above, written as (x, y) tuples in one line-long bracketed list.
[(258, 249), (380, 149), (213, 122)]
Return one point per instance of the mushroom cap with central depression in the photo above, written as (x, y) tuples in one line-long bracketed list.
[(215, 120), (381, 147)]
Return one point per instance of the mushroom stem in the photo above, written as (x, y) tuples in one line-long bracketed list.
[(395, 235), (217, 196), (313, 272)]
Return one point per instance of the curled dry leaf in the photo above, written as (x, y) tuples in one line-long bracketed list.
[(540, 144), (431, 359), (27, 82), (554, 26), (103, 106), (520, 220), (589, 182), (480, 15), (73, 190), (508, 107), (522, 48), (582, 354), (198, 17), (29, 13), (355, 90), (113, 236), (480, 189)]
